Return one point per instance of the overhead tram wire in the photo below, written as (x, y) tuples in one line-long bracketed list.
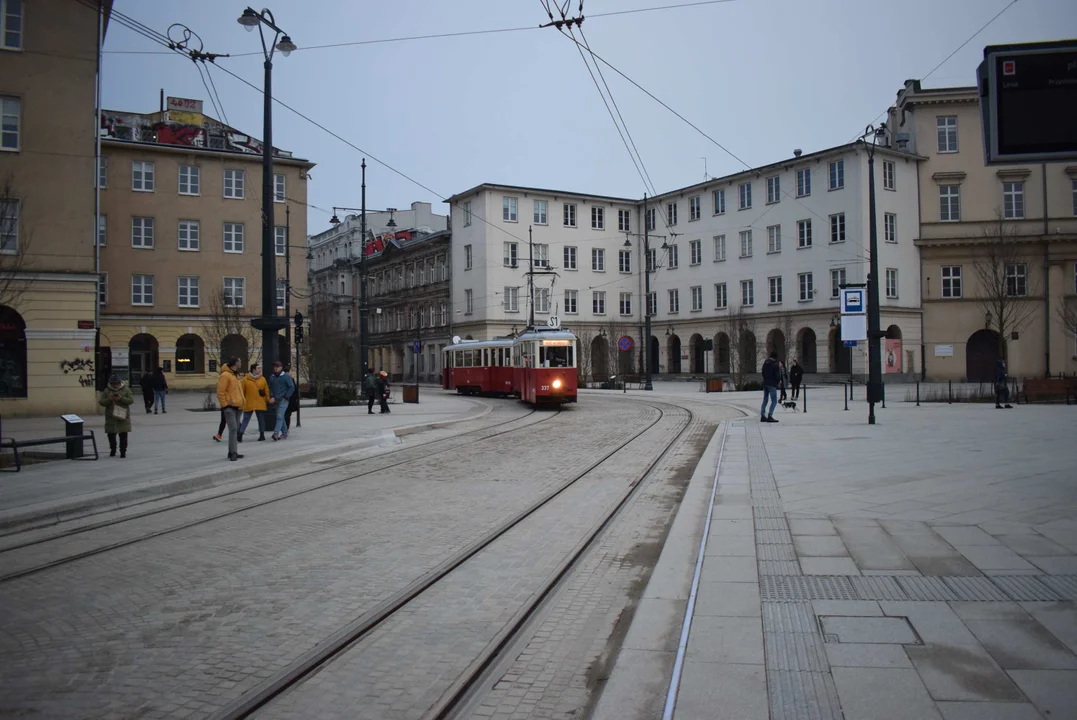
[(219, 103)]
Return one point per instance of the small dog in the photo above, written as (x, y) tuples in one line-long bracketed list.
[(790, 405)]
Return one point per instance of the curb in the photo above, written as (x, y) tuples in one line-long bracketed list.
[(57, 511)]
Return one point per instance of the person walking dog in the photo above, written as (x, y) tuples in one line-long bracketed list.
[(230, 397), (771, 379), (117, 401), (255, 395)]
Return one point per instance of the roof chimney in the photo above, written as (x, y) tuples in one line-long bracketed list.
[(797, 152)]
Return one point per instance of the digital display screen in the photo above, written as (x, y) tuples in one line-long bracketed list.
[(1037, 102)]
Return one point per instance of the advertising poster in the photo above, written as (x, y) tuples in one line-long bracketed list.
[(892, 356)]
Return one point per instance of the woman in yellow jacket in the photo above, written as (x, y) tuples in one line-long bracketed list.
[(255, 392)]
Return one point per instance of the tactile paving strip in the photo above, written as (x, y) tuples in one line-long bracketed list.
[(1064, 585), (955, 588), (806, 587), (802, 696)]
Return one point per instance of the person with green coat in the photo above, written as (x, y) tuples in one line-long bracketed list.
[(117, 400)]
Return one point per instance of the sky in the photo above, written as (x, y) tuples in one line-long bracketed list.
[(760, 77)]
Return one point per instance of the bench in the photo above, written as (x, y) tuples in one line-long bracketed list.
[(16, 444), (1037, 389)]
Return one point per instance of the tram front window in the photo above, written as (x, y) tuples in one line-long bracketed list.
[(556, 356)]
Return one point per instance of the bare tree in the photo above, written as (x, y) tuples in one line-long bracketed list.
[(737, 325), (615, 329), (1002, 271), (584, 336), (226, 319), (787, 332), (1067, 314), (331, 357), (15, 243)]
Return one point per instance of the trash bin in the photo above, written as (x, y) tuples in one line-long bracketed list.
[(714, 385), (73, 428), (411, 394)]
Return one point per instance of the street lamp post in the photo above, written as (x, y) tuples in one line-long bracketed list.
[(269, 322), (875, 361), (647, 269)]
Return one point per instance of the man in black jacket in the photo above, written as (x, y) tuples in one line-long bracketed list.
[(796, 375), (772, 377)]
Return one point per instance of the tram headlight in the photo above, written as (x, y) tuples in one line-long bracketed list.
[(557, 384)]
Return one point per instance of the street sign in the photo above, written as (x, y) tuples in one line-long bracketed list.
[(849, 343), (854, 327), (416, 348), (625, 343), (853, 301)]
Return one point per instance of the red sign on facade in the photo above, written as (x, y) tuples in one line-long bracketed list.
[(86, 325)]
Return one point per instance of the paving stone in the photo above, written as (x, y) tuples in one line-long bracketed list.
[(872, 547), (1059, 618), (883, 694), (1053, 692), (725, 640), (1021, 643), (867, 656), (828, 566), (962, 535), (656, 625), (988, 711), (868, 630), (728, 599), (730, 569), (1055, 565), (994, 557), (819, 545), (847, 608), (961, 673), (722, 691), (804, 526), (1033, 544), (743, 545)]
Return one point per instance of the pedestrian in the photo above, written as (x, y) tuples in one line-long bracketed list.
[(796, 375), (220, 427), (293, 403), (370, 389), (281, 388), (146, 383), (160, 389), (383, 391), (255, 395), (771, 379), (230, 397), (117, 401), (1002, 386), (784, 381)]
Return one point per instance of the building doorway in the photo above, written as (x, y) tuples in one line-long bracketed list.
[(841, 357), (12, 354), (981, 355), (674, 354), (143, 356), (698, 352), (806, 348)]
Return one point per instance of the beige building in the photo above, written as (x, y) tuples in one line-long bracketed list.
[(48, 281), (180, 236), (1017, 222)]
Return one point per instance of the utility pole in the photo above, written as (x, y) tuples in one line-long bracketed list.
[(530, 276), (647, 269), (362, 280), (875, 366), (287, 273)]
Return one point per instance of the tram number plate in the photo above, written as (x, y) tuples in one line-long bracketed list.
[(546, 387)]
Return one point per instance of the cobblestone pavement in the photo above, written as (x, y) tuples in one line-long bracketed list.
[(179, 625)]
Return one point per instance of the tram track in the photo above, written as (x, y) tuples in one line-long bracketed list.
[(424, 453), (464, 685)]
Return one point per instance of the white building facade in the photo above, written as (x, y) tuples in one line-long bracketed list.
[(763, 250), (342, 242)]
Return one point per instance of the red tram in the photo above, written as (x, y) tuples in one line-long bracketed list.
[(479, 367), (538, 367)]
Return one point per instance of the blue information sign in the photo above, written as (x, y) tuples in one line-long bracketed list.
[(849, 343), (415, 348)]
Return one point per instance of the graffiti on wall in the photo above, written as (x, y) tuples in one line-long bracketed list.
[(169, 128), (83, 367)]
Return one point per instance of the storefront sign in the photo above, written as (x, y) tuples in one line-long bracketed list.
[(86, 325)]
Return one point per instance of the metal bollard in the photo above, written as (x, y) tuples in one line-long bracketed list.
[(883, 389), (950, 392), (917, 393), (847, 399), (850, 388), (805, 387)]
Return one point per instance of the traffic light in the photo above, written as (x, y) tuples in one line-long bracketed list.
[(298, 334)]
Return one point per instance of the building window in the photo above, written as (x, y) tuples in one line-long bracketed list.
[(745, 243), (674, 257), (189, 180), (891, 283), (188, 292), (10, 114), (235, 291), (804, 182), (721, 296), (469, 302), (1017, 280), (774, 239), (695, 251), (9, 226), (189, 235), (947, 129), (570, 258), (102, 172), (142, 176), (542, 255), (651, 215), (745, 196), (233, 237), (102, 232), (950, 203), (652, 259), (102, 289), (718, 197), (693, 208), (890, 227), (951, 281), (626, 303), (142, 232), (1013, 200), (624, 221), (467, 213), (719, 248), (512, 299), (837, 174), (569, 215), (233, 184), (674, 301), (598, 218), (280, 188), (541, 206), (467, 257), (282, 297), (889, 175), (598, 302), (508, 209), (837, 228), (671, 213), (697, 298), (747, 293), (542, 300), (571, 302), (1074, 184), (511, 254), (804, 233), (624, 261), (11, 24), (652, 303), (598, 259), (807, 286), (774, 189), (280, 241), (775, 284), (837, 279), (142, 289)]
